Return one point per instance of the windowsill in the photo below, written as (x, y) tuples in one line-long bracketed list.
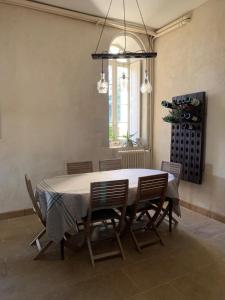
[(135, 147), (115, 147)]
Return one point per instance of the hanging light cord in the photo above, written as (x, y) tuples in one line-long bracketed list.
[(125, 29), (149, 45), (103, 27)]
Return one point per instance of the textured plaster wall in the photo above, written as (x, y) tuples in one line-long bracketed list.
[(50, 110), (192, 59)]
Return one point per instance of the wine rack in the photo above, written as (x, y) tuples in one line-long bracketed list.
[(187, 144)]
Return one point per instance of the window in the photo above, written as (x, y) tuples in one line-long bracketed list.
[(124, 99)]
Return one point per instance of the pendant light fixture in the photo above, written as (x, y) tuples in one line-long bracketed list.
[(146, 86), (102, 85)]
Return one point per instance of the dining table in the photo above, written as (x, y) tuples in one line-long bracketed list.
[(64, 200)]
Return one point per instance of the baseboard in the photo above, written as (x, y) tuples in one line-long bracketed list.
[(203, 211), (16, 213)]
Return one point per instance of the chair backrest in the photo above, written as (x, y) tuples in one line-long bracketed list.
[(79, 167), (151, 188), (110, 164), (172, 168), (34, 199), (109, 194)]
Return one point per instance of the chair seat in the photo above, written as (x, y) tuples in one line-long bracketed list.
[(155, 201), (141, 207), (145, 206), (103, 214)]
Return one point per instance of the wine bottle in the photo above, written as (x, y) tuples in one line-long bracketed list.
[(192, 101), (184, 126), (178, 101), (187, 126), (166, 104), (187, 116)]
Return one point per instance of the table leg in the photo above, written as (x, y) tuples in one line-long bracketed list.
[(62, 248)]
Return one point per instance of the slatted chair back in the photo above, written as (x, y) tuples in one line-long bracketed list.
[(172, 168), (34, 199), (151, 188), (79, 167), (110, 164), (109, 194)]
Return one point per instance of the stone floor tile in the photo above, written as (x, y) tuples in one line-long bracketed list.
[(190, 266)]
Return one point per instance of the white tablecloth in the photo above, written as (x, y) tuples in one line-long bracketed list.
[(65, 199)]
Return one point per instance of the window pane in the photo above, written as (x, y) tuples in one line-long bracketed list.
[(122, 113), (110, 74), (113, 49), (110, 108), (122, 85), (111, 134), (135, 98), (122, 129), (122, 100), (110, 92)]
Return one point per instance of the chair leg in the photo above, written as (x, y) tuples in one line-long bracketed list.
[(148, 215), (118, 240), (168, 211), (157, 234), (175, 221), (170, 215), (43, 250), (38, 236), (90, 252), (135, 241), (162, 217), (140, 216)]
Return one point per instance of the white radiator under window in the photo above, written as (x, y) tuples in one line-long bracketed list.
[(134, 158)]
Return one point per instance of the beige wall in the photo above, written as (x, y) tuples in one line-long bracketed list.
[(50, 110), (192, 59)]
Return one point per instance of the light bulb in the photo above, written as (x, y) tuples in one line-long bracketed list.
[(146, 86), (102, 85)]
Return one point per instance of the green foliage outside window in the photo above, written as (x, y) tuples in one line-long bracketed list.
[(112, 136)]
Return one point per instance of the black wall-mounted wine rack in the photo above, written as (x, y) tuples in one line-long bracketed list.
[(187, 145)]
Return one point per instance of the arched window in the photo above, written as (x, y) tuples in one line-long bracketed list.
[(124, 76)]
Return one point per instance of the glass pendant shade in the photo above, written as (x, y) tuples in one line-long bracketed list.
[(102, 85), (146, 86)]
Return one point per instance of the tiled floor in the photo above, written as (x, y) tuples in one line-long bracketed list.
[(190, 266)]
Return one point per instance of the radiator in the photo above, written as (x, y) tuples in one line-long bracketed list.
[(134, 158)]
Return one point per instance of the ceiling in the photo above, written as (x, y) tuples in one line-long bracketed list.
[(156, 13)]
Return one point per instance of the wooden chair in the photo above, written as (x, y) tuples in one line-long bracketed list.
[(79, 167), (175, 169), (110, 164), (149, 188), (37, 240), (36, 206), (104, 197), (172, 168)]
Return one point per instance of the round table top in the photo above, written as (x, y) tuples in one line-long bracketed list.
[(80, 183)]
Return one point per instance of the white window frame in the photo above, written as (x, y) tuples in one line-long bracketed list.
[(114, 64)]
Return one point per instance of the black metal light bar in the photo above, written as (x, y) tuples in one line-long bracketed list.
[(123, 55)]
